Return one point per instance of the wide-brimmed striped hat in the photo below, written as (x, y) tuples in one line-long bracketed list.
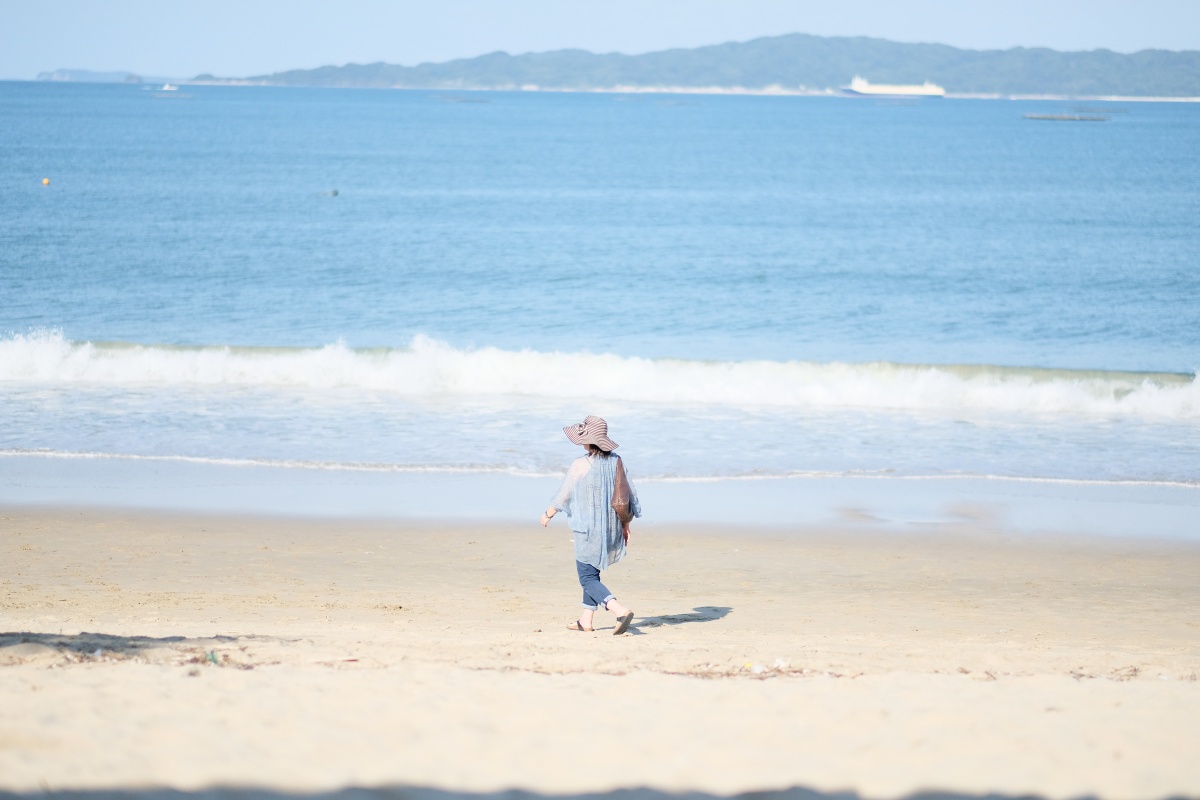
[(592, 430)]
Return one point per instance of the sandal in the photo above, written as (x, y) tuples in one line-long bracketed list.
[(623, 624), (575, 626)]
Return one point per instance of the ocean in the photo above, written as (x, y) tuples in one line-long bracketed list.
[(746, 287)]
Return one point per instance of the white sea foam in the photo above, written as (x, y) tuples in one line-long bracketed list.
[(278, 463), (434, 370), (482, 469)]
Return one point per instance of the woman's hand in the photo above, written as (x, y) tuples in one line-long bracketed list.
[(625, 532), (548, 515)]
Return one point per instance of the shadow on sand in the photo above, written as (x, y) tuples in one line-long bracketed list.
[(424, 793), (698, 614), (27, 646), (90, 642)]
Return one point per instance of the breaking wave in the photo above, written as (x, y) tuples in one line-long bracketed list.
[(435, 370)]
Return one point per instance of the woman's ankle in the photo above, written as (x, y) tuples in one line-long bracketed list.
[(616, 608)]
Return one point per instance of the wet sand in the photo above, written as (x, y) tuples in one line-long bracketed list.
[(150, 650)]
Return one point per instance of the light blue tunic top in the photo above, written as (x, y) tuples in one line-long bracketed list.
[(586, 498)]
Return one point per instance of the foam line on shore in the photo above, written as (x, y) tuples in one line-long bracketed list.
[(483, 469)]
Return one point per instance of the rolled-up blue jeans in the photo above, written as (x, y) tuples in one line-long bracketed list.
[(595, 595)]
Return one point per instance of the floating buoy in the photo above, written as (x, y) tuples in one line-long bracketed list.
[(45, 181)]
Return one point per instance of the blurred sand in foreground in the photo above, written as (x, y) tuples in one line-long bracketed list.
[(154, 650)]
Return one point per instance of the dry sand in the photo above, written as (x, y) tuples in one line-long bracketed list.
[(140, 651)]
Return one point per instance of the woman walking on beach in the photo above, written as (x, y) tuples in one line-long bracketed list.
[(601, 526)]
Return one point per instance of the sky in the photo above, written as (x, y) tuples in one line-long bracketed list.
[(237, 38)]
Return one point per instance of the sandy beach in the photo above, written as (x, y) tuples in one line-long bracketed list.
[(906, 387), (142, 651)]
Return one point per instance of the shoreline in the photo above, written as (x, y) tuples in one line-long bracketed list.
[(871, 503), (766, 91), (407, 469), (740, 91), (178, 651)]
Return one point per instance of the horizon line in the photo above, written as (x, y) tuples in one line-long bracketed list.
[(159, 74)]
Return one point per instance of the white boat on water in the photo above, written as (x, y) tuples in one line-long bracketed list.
[(861, 87), (170, 90)]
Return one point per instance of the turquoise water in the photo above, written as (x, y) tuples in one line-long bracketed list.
[(745, 286)]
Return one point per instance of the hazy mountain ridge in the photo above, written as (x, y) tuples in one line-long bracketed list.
[(791, 62), (93, 76)]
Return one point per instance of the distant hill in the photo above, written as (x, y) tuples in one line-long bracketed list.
[(89, 76), (796, 62)]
